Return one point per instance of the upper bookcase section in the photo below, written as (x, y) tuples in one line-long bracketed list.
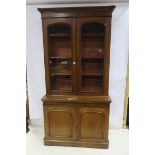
[(103, 11)]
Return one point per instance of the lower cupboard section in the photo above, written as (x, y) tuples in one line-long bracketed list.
[(85, 126)]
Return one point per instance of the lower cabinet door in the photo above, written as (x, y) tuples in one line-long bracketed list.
[(92, 124), (60, 122)]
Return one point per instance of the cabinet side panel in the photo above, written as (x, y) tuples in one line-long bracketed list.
[(107, 56), (45, 40), (46, 121)]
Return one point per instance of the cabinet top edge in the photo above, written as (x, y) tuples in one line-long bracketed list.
[(77, 9), (75, 98)]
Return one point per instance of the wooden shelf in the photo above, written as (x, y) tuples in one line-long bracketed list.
[(92, 58), (59, 35), (59, 91), (93, 35), (92, 74), (91, 91), (61, 74), (59, 57)]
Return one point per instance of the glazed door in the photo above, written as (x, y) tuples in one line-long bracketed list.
[(93, 47), (59, 44)]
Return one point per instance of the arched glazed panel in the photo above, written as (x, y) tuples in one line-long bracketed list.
[(60, 52), (92, 57)]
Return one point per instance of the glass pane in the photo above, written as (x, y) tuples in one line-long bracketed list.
[(92, 84), (60, 57), (92, 48), (61, 83)]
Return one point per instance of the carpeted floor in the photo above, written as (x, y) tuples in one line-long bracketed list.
[(118, 139)]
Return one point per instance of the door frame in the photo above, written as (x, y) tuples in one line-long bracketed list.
[(45, 24), (107, 23)]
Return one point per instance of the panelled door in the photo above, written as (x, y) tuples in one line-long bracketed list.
[(81, 123), (60, 122), (92, 124)]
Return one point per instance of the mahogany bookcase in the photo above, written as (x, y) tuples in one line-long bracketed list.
[(77, 56)]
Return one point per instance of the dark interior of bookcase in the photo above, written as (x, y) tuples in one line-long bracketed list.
[(92, 57), (92, 48), (60, 57)]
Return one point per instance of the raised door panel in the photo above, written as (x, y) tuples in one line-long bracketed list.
[(60, 122), (92, 124), (59, 49)]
